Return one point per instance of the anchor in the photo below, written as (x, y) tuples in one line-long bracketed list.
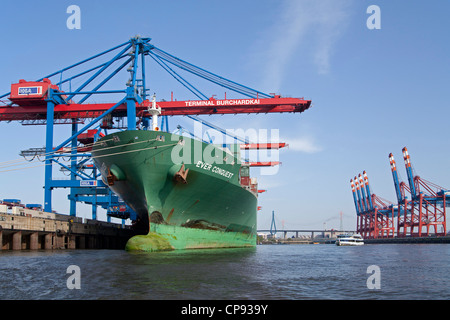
[(181, 175)]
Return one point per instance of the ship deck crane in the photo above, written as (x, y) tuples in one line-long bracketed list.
[(43, 101)]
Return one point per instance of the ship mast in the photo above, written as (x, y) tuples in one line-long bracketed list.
[(154, 111)]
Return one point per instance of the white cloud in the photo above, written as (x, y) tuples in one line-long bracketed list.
[(302, 28), (331, 22), (303, 144)]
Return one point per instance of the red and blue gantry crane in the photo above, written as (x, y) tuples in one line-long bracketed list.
[(422, 204), (420, 210), (375, 216), (65, 97)]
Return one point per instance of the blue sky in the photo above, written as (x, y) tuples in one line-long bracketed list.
[(373, 91)]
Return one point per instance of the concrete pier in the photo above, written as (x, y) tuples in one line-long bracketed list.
[(51, 232)]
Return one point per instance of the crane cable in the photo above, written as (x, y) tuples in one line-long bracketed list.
[(6, 163)]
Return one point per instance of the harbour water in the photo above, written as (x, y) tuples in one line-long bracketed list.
[(267, 272)]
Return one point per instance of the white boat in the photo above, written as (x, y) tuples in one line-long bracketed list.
[(349, 240)]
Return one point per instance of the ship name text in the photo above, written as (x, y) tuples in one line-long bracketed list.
[(214, 169)]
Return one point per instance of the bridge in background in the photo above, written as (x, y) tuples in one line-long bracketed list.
[(325, 233)]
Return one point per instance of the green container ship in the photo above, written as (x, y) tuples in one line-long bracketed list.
[(187, 194)]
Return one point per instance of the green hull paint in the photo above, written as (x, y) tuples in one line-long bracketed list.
[(165, 237), (210, 210)]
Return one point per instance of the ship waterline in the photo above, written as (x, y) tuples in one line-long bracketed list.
[(187, 194)]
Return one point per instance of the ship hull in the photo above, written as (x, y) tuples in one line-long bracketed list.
[(186, 193)]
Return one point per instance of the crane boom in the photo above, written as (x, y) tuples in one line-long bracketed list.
[(358, 211), (409, 172), (369, 194), (38, 110), (395, 177), (358, 193)]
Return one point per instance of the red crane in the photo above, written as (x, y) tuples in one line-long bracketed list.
[(35, 108)]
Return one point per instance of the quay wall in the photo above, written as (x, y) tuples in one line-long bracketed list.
[(48, 231)]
